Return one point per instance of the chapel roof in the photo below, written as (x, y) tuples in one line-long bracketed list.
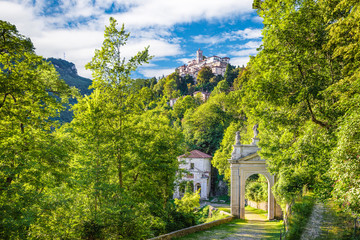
[(195, 154)]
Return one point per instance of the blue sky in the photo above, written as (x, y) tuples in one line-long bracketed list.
[(174, 29)]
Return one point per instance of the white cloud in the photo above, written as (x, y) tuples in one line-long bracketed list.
[(158, 47), (247, 33), (239, 61), (169, 13), (257, 19), (240, 56), (22, 16), (206, 39), (149, 21), (251, 44), (184, 60), (156, 72), (245, 52)]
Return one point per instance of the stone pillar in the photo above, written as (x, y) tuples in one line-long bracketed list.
[(271, 199), (235, 192), (242, 194)]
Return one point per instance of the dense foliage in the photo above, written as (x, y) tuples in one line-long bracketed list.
[(109, 173), (303, 89), (256, 188), (33, 158)]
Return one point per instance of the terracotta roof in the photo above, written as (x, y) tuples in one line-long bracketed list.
[(195, 154)]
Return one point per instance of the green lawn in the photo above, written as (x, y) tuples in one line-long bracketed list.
[(225, 209)]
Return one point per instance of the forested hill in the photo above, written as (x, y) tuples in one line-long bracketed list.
[(68, 73)]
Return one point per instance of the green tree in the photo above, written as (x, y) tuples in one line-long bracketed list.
[(344, 37), (301, 87), (188, 202), (126, 154), (182, 105), (170, 88), (257, 189), (186, 81), (242, 78), (230, 74), (345, 167), (159, 87), (33, 158), (203, 78), (204, 127), (221, 87), (112, 77), (223, 153)]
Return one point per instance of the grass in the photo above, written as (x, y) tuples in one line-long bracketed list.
[(239, 227), (260, 212), (203, 216), (337, 225), (224, 209), (301, 212)]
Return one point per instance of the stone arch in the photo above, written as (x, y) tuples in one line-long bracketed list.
[(245, 162)]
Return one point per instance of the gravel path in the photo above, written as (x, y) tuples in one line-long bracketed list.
[(256, 227), (313, 227)]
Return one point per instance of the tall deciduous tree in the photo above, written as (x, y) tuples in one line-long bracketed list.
[(287, 90), (111, 73), (127, 153), (32, 157), (303, 88), (203, 78), (344, 42)]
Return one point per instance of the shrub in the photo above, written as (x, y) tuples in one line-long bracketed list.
[(188, 202), (301, 212)]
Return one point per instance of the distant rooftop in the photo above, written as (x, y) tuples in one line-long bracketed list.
[(195, 154)]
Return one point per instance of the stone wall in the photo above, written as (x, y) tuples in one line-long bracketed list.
[(260, 205), (196, 228)]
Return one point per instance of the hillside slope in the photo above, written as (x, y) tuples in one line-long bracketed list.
[(68, 73)]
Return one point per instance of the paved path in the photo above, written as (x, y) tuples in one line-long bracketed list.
[(256, 226)]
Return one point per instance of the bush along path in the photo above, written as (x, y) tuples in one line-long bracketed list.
[(256, 226)]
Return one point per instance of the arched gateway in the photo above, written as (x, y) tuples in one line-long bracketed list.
[(245, 162)]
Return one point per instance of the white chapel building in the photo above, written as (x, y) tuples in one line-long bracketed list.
[(196, 167)]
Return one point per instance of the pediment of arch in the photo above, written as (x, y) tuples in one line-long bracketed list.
[(254, 157)]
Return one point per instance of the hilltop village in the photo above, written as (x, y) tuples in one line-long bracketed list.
[(217, 65)]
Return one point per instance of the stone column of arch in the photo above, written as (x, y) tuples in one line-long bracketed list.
[(245, 162)]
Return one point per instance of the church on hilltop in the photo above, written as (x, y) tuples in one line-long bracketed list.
[(217, 65)]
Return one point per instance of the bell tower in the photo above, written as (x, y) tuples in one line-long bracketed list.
[(199, 56)]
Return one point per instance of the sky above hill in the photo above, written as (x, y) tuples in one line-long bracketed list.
[(174, 29)]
